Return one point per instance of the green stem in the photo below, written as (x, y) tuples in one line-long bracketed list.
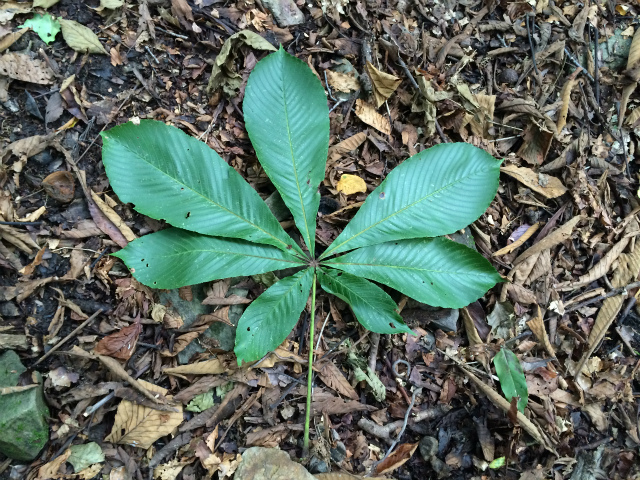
[(307, 420)]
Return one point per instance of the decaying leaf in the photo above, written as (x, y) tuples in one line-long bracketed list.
[(383, 84), (20, 66), (348, 144), (81, 38), (338, 406), (120, 344), (546, 185), (141, 426), (334, 379), (566, 98), (208, 367), (60, 186), (170, 470), (536, 324), (523, 238), (111, 214), (223, 73), (350, 184), (368, 115), (397, 458), (554, 238), (342, 82)]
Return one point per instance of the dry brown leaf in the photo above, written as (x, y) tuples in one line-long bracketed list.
[(348, 144), (536, 144), (565, 95), (624, 100), (536, 324), (113, 217), (633, 60), (20, 66), (398, 458), (141, 426), (350, 184), (182, 11), (23, 289), (600, 269), (185, 293), (554, 238), (214, 366), (338, 406), (383, 84), (120, 344), (8, 40), (520, 294), (182, 342), (628, 269), (546, 185), (334, 379), (268, 437), (169, 470), (60, 186), (342, 82), (482, 118), (20, 239), (368, 115), (50, 470), (28, 270), (88, 473), (470, 328), (525, 236), (230, 300)]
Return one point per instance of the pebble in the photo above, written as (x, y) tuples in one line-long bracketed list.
[(285, 12), (508, 76)]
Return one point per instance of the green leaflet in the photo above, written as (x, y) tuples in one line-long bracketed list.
[(169, 175), (174, 258), (512, 379), (270, 318), (44, 25), (435, 271), (287, 118), (371, 305), (436, 192)]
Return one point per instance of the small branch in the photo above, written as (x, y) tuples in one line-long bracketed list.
[(611, 293), (68, 337), (373, 351)]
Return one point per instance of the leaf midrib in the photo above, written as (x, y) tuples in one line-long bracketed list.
[(222, 252), (378, 265), (330, 251), (207, 199), (310, 244)]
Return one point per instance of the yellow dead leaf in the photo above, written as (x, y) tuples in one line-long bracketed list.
[(342, 82), (50, 470), (367, 113), (349, 184), (89, 472), (215, 366), (114, 217), (546, 185), (141, 426), (170, 470), (383, 84)]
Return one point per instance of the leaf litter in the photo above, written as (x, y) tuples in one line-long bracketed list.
[(562, 229)]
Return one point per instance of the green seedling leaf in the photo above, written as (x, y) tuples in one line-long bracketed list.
[(371, 305), (81, 38), (435, 271), (436, 192), (498, 463), (201, 402), (292, 140), (512, 379), (44, 25), (169, 175), (85, 455), (270, 318), (174, 258)]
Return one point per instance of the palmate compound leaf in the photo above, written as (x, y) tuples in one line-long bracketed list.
[(287, 118), (511, 375), (270, 318), (169, 175), (435, 271), (436, 192), (372, 306), (173, 258)]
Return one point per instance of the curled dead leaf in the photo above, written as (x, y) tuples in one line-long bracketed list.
[(120, 344), (383, 84), (398, 458), (368, 115), (60, 186)]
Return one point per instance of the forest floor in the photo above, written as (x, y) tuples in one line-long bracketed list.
[(548, 87)]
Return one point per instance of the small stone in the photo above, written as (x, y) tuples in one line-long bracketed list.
[(441, 468), (339, 452), (318, 466), (23, 414), (508, 76), (43, 158), (260, 463), (285, 12), (428, 447)]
